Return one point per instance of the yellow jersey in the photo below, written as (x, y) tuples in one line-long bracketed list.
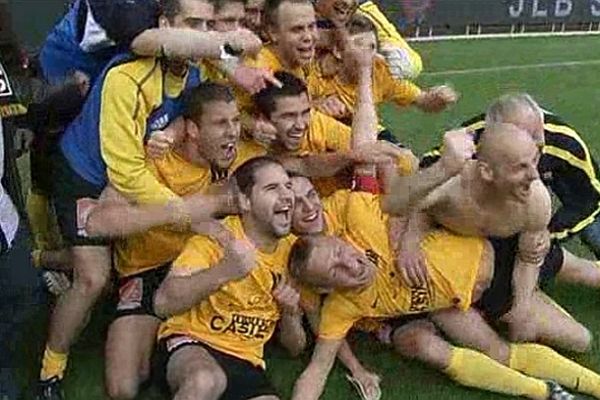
[(453, 264), (385, 88), (388, 35), (240, 317), (334, 215), (157, 246)]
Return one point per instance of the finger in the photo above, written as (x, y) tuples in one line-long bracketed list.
[(412, 275), (421, 273), (269, 77)]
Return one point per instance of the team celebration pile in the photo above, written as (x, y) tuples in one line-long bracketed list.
[(219, 167)]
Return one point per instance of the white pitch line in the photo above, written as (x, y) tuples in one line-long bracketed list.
[(512, 67)]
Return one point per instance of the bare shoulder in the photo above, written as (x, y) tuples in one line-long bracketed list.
[(539, 207), (448, 192)]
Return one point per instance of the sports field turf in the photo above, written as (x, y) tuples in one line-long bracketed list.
[(571, 91)]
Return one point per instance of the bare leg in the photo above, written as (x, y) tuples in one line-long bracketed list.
[(469, 329), (193, 374), (578, 270), (91, 274), (129, 348), (552, 325)]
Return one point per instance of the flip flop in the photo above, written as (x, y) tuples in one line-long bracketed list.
[(362, 390)]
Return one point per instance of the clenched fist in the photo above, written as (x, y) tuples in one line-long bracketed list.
[(287, 297), (459, 147), (239, 259)]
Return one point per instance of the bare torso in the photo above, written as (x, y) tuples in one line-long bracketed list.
[(456, 208)]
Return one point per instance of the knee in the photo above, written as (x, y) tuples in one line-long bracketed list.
[(119, 388), (91, 283), (583, 343), (412, 343), (207, 384)]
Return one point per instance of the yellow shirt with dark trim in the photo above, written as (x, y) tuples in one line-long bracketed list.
[(326, 135), (387, 32), (106, 141), (385, 89), (267, 58), (157, 246), (240, 317), (566, 167), (334, 215), (452, 261)]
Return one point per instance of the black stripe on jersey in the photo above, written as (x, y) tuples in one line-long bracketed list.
[(140, 84), (474, 120), (566, 143)]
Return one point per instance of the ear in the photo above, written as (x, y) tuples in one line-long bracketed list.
[(485, 171), (163, 22), (243, 203), (192, 130), (271, 32)]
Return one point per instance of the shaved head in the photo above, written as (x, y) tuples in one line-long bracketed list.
[(508, 159), (504, 141)]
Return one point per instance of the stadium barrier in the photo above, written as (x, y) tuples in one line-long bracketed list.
[(425, 20)]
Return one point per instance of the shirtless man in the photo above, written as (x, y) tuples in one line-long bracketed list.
[(499, 195)]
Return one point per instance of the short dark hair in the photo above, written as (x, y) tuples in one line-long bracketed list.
[(272, 6), (245, 175), (170, 8), (199, 96), (291, 86), (219, 4), (300, 256)]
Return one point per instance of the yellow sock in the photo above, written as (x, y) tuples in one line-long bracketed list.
[(39, 220), (474, 369), (545, 363), (53, 364)]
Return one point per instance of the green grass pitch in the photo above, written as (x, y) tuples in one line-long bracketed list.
[(571, 91)]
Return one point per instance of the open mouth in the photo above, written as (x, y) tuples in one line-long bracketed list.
[(311, 217), (306, 52), (229, 150), (284, 212)]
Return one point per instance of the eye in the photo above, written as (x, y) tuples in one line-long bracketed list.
[(288, 185)]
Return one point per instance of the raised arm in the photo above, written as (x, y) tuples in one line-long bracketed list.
[(192, 44), (404, 193)]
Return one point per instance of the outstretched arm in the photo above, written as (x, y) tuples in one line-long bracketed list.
[(311, 383)]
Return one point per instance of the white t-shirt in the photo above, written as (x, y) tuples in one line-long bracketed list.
[(9, 218)]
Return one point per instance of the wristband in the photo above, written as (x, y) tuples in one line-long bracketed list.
[(368, 184)]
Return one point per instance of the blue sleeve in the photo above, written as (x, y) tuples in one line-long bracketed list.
[(123, 20)]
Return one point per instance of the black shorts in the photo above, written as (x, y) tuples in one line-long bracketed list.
[(73, 199), (244, 380), (136, 292), (497, 299)]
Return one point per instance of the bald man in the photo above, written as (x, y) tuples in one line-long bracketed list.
[(500, 196)]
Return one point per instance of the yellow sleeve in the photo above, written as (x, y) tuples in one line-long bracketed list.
[(401, 91), (388, 35), (199, 253), (122, 129), (386, 31), (335, 208), (337, 317), (329, 135)]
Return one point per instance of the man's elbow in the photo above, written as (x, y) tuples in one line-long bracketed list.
[(163, 301)]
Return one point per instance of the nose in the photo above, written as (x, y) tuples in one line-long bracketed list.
[(306, 204), (301, 123), (533, 173)]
